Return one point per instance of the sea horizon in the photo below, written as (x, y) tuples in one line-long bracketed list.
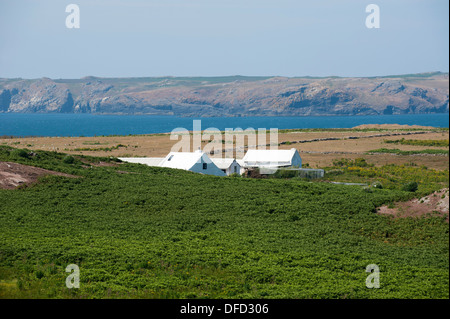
[(76, 125)]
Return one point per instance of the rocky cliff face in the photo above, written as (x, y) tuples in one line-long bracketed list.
[(230, 96), (40, 96)]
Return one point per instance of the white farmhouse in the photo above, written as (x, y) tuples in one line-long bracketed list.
[(272, 158), (227, 165), (196, 161)]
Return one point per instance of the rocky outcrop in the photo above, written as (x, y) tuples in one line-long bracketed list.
[(5, 100), (229, 96), (39, 96)]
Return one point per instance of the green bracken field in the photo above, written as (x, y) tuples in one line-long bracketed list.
[(146, 232)]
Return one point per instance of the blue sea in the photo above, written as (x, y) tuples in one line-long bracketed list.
[(17, 124)]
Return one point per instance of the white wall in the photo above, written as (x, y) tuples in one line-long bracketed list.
[(231, 170), (211, 168), (297, 160)]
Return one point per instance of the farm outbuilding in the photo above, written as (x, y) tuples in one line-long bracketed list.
[(272, 158), (227, 165), (242, 165), (266, 161)]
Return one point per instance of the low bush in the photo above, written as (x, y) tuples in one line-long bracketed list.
[(69, 159), (410, 187), (19, 153)]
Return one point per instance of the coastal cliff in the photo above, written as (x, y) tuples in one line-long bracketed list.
[(229, 96)]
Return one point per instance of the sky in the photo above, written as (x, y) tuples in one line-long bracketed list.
[(137, 38)]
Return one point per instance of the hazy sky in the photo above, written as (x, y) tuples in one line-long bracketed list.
[(127, 38)]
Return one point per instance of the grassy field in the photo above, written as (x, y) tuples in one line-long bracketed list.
[(145, 232), (317, 147), (400, 152), (403, 141)]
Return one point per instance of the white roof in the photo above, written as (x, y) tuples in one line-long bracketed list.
[(223, 163), (183, 160), (180, 160), (240, 162), (150, 161), (269, 157)]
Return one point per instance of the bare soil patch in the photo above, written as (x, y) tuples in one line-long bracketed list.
[(435, 204), (13, 174)]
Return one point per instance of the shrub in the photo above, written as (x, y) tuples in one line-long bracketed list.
[(358, 162), (39, 274), (410, 187), (19, 153), (377, 185), (69, 159), (333, 172), (282, 173), (367, 189), (401, 152), (443, 143)]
